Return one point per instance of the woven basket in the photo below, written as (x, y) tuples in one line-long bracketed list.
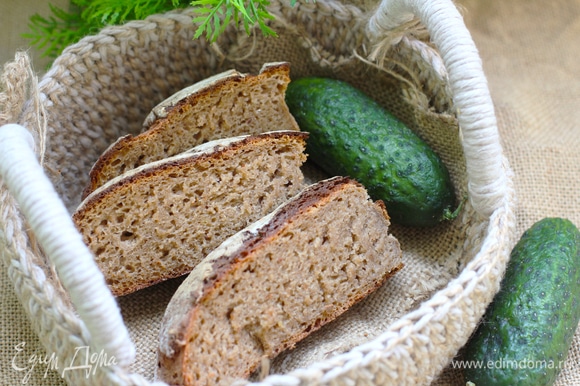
[(413, 56)]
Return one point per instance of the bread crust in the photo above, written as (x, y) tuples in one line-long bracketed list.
[(157, 171), (158, 122), (208, 86), (205, 279), (217, 149)]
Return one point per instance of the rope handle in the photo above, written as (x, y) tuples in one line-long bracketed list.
[(469, 89), (53, 227)]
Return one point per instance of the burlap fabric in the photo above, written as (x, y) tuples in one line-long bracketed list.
[(104, 86)]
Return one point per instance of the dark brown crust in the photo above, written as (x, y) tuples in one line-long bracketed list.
[(191, 99), (308, 197), (320, 322), (312, 195), (170, 164), (118, 292), (127, 141), (317, 324), (115, 148)]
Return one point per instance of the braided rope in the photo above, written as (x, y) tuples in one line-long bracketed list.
[(55, 231), (35, 284)]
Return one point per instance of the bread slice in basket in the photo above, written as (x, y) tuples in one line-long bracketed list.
[(225, 105), (272, 284), (159, 220)]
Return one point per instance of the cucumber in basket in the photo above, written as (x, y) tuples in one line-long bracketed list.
[(352, 135), (528, 329)]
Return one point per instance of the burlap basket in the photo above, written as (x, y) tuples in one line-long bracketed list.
[(414, 56)]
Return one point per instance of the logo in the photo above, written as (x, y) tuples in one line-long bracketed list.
[(84, 359)]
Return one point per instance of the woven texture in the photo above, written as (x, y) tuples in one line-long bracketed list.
[(104, 87)]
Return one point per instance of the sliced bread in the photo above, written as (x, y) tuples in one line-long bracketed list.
[(159, 220), (225, 105), (272, 284)]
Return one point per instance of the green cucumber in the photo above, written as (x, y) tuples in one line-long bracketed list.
[(527, 330), (352, 135)]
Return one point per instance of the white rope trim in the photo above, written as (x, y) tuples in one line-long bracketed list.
[(56, 233), (475, 110)]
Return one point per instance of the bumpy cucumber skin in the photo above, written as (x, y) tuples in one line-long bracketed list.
[(352, 135), (535, 313)]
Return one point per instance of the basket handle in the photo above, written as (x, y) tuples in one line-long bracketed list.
[(53, 227), (468, 84)]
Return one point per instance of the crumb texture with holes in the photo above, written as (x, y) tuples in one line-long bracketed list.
[(275, 282), (225, 105), (159, 220)]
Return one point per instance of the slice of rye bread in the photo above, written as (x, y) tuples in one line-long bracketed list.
[(159, 220), (225, 105), (272, 284)]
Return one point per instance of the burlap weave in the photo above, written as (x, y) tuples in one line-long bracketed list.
[(529, 52)]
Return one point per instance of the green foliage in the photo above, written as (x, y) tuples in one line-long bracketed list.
[(111, 12), (53, 33), (216, 15), (64, 27)]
